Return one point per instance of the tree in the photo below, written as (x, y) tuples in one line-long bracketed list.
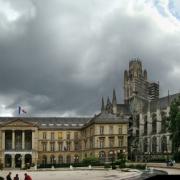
[(174, 124)]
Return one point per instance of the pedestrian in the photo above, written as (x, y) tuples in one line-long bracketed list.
[(16, 177), (27, 177), (8, 177)]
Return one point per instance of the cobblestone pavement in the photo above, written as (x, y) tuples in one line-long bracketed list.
[(75, 175)]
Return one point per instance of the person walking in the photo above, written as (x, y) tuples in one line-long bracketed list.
[(27, 177), (8, 177), (16, 177)]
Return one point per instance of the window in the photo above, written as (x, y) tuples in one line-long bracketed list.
[(60, 146), (59, 135), (68, 146), (76, 146), (120, 129), (68, 135), (91, 142), (53, 146), (44, 135), (52, 135), (110, 129), (101, 143), (44, 146), (76, 135), (111, 142), (91, 131), (101, 129), (120, 141)]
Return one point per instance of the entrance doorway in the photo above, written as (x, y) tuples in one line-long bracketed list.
[(8, 160), (28, 160), (18, 161)]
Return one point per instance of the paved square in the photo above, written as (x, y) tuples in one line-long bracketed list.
[(74, 175)]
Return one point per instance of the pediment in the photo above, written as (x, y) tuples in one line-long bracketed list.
[(18, 123)]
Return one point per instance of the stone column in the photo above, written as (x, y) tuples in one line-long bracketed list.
[(141, 125), (23, 140), (13, 161), (3, 140), (33, 143), (13, 139)]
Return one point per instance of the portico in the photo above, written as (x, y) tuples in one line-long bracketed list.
[(18, 144)]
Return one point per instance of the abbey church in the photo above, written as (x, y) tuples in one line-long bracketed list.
[(136, 128), (148, 136)]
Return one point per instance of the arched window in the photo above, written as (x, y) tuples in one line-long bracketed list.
[(145, 145), (164, 144), (154, 126), (60, 159), (163, 122), (102, 156), (145, 125), (154, 144)]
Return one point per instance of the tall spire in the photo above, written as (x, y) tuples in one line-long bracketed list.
[(102, 105), (168, 98), (114, 102)]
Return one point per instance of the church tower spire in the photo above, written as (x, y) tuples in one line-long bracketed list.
[(114, 102), (102, 105)]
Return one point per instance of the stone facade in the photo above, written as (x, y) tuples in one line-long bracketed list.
[(61, 140), (149, 138)]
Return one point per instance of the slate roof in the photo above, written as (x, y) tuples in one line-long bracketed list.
[(105, 117), (51, 122)]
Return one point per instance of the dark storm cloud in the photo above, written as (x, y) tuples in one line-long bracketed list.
[(62, 56)]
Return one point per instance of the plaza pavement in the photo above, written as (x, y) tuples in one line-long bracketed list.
[(75, 174)]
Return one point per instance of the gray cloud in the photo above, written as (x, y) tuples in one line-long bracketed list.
[(62, 56)]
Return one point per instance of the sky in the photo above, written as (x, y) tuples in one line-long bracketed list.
[(59, 57)]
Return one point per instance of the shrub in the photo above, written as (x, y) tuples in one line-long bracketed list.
[(91, 161), (1, 178), (136, 166), (176, 156)]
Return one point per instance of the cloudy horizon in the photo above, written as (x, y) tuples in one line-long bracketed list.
[(59, 57)]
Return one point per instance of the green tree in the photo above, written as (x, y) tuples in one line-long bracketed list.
[(174, 124)]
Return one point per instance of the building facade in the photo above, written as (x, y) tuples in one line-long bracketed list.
[(148, 136), (61, 140)]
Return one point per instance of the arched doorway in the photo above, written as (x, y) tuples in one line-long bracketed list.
[(102, 156), (8, 160), (28, 160), (52, 159), (60, 159), (68, 159), (44, 160), (18, 160)]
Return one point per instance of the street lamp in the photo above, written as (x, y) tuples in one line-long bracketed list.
[(112, 158)]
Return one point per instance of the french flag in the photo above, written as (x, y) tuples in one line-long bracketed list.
[(21, 110)]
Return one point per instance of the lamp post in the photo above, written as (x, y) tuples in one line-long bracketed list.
[(112, 158)]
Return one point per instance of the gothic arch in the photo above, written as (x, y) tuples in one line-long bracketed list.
[(145, 143), (154, 144), (164, 144), (145, 125), (154, 123)]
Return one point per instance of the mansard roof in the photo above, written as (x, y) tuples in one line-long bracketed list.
[(51, 122)]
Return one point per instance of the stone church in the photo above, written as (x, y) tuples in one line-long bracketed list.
[(148, 136)]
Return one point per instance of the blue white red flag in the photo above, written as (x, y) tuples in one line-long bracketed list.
[(21, 110)]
